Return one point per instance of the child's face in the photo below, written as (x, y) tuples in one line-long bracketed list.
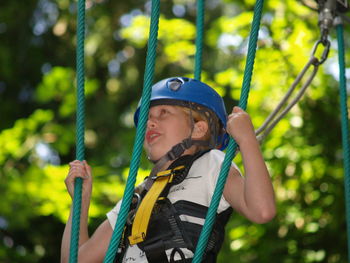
[(167, 126)]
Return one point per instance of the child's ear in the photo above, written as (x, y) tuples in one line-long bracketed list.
[(200, 129)]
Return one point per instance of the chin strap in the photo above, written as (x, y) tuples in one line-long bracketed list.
[(175, 152)]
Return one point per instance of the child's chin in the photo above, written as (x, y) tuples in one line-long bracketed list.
[(155, 156)]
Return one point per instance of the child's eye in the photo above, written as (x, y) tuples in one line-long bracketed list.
[(164, 111)]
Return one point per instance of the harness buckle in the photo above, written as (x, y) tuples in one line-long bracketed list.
[(166, 173), (136, 200)]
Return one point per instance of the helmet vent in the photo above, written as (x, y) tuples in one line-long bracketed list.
[(175, 84)]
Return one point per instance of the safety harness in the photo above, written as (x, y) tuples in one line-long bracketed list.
[(155, 224)]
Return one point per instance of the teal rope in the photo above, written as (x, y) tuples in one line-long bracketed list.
[(199, 39), (140, 134), (345, 125), (211, 215), (80, 149)]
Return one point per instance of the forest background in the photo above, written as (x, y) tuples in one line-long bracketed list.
[(37, 123)]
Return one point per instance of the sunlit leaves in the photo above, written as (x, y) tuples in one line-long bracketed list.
[(138, 31), (178, 44), (179, 51), (42, 182), (59, 85), (168, 30), (228, 78), (21, 138), (303, 151), (97, 39), (236, 26)]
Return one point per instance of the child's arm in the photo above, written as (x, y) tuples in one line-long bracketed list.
[(90, 249), (251, 195)]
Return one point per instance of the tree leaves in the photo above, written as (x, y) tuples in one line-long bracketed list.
[(37, 139)]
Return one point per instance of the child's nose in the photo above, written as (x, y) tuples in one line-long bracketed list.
[(151, 122)]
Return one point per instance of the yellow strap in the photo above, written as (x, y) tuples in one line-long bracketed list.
[(143, 214)]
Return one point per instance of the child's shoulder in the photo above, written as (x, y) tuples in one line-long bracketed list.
[(212, 156), (215, 155)]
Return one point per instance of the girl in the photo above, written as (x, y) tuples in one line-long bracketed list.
[(186, 132)]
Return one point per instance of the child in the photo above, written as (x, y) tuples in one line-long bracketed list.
[(186, 127)]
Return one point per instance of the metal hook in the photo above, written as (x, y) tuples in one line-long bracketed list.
[(326, 43), (131, 214)]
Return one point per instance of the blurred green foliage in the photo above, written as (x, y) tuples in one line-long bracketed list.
[(37, 128)]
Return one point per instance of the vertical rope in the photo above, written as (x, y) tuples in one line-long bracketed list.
[(211, 215), (345, 124), (199, 39), (80, 148), (253, 39), (140, 133)]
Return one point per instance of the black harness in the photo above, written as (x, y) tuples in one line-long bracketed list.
[(166, 231)]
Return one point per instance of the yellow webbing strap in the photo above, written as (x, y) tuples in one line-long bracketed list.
[(143, 214)]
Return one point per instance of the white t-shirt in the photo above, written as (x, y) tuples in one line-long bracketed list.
[(198, 187)]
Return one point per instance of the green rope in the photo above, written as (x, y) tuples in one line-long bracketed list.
[(211, 215), (80, 149), (140, 133), (345, 124), (199, 39)]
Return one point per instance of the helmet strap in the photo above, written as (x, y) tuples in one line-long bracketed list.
[(175, 152), (191, 118)]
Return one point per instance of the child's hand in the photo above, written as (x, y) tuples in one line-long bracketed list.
[(239, 125), (82, 170)]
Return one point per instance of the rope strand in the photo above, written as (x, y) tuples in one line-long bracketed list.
[(284, 99), (199, 39), (266, 127), (140, 134), (269, 124), (345, 123), (80, 126), (210, 218)]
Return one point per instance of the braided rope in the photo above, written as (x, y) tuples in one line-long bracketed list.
[(80, 126), (199, 39), (140, 133), (345, 124), (208, 225), (270, 123)]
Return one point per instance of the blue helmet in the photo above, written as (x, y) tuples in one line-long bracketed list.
[(182, 91)]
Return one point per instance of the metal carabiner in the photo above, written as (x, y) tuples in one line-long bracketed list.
[(326, 43), (131, 214)]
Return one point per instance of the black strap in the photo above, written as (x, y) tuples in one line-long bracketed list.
[(178, 251), (178, 149), (175, 152), (156, 253)]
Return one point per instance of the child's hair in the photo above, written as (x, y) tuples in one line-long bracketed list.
[(198, 113)]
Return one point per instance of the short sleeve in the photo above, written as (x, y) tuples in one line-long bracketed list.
[(113, 214), (206, 171), (216, 159)]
